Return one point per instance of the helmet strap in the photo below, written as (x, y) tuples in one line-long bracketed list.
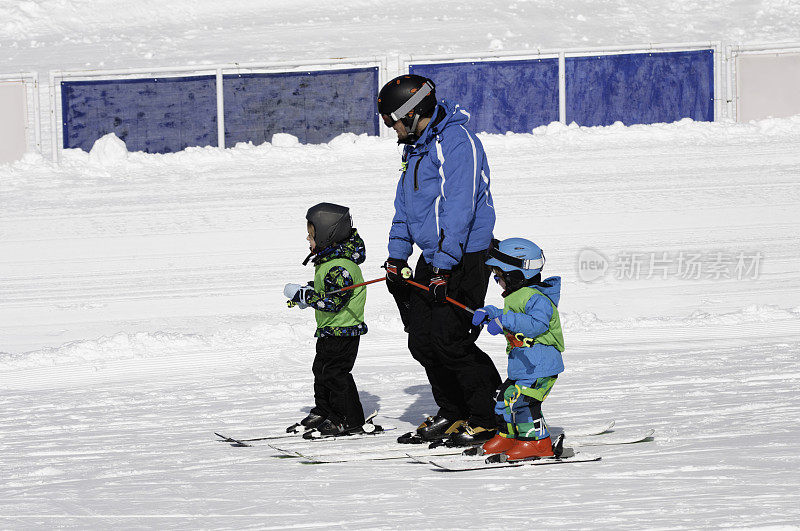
[(411, 129), (514, 280)]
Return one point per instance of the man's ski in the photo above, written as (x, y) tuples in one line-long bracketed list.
[(412, 439), (589, 431), (614, 438)]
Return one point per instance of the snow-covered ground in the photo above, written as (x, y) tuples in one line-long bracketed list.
[(142, 310), (75, 34), (141, 306)]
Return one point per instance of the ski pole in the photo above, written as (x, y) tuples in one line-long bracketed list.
[(448, 299), (291, 304), (519, 336), (354, 286)]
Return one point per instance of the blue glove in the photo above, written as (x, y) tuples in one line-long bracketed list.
[(485, 314), (298, 294), (495, 326)]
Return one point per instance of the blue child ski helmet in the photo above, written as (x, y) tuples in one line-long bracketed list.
[(516, 254)]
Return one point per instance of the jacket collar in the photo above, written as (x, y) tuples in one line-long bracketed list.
[(453, 114)]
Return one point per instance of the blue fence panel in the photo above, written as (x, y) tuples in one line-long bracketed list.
[(640, 88), (160, 115), (500, 96), (313, 106)]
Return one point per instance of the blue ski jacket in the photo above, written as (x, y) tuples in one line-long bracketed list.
[(443, 202)]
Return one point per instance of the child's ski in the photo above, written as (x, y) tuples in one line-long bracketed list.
[(297, 436), (239, 441), (350, 457), (464, 464)]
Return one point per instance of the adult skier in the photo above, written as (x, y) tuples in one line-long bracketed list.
[(443, 205)]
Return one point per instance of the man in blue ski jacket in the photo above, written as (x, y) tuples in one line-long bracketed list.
[(443, 205)]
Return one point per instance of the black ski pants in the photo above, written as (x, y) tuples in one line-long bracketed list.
[(442, 339), (335, 392)]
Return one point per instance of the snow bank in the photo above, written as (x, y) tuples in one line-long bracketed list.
[(109, 153), (685, 131), (108, 150)]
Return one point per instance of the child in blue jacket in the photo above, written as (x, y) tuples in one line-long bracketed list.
[(531, 324)]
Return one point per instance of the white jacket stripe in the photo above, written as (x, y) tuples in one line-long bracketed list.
[(474, 167), (441, 191)]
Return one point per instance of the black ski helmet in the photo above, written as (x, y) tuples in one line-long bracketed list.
[(332, 224), (407, 98)]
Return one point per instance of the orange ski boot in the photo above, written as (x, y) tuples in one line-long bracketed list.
[(526, 449), (498, 444)]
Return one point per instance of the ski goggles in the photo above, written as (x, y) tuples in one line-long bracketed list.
[(522, 263)]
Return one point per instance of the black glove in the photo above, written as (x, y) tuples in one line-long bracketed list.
[(396, 270), (438, 284)]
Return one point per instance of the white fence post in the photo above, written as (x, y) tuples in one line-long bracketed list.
[(730, 82), (220, 111), (562, 87), (56, 155)]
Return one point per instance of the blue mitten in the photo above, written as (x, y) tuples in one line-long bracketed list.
[(479, 317), (485, 314), (495, 326)]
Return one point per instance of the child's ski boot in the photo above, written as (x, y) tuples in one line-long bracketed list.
[(528, 449), (497, 445), (330, 429), (311, 421)]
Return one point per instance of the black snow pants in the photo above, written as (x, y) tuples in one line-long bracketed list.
[(442, 339), (335, 392)]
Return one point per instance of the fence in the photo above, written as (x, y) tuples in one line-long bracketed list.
[(766, 80), (516, 92), (169, 109), (19, 109)]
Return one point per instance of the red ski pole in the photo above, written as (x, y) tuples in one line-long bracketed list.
[(448, 299), (524, 341), (354, 286)]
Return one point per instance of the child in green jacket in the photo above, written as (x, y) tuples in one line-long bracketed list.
[(336, 250)]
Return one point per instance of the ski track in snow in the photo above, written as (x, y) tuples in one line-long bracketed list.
[(141, 311)]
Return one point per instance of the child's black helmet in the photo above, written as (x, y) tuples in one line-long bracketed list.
[(332, 224), (407, 98)]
